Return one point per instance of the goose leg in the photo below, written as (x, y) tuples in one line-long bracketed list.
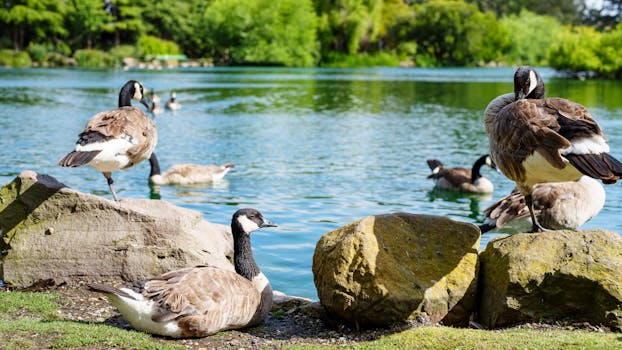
[(108, 177), (536, 227)]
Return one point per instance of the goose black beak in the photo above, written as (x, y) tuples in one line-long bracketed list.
[(268, 223), (146, 101)]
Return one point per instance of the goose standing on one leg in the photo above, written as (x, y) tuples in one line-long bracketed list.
[(534, 139), (186, 174), (116, 139), (556, 205), (203, 300), (461, 179)]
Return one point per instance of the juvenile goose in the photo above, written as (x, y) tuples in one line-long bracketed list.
[(172, 102), (116, 139), (155, 104), (461, 179), (556, 205), (202, 300), (186, 174), (534, 139)]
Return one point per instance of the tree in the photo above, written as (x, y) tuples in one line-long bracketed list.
[(565, 11), (260, 31), (456, 33), (125, 22), (575, 49), (531, 46), (31, 20), (87, 19)]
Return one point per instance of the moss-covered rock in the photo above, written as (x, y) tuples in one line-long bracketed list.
[(555, 275), (389, 268), (51, 231)]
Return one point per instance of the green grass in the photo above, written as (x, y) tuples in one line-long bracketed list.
[(41, 326), (456, 338)]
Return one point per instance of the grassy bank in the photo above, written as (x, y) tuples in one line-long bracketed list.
[(39, 320)]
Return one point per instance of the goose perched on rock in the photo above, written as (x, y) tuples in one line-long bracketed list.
[(556, 205), (534, 139), (172, 102), (186, 174), (462, 179), (116, 139), (202, 300)]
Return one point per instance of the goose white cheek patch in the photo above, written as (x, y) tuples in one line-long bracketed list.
[(247, 224)]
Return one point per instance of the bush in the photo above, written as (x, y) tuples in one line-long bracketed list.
[(532, 45), (575, 49), (94, 59), (37, 52), (381, 59), (11, 58), (151, 45)]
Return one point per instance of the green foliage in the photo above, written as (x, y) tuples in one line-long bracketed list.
[(565, 11), (94, 59), (381, 59), (87, 20), (258, 32), (456, 33), (150, 45), (11, 58), (536, 35), (575, 49), (41, 303), (610, 53)]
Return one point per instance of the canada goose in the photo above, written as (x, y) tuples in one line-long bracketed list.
[(461, 179), (186, 174), (202, 300), (556, 205), (172, 102), (155, 104), (116, 139), (534, 139)]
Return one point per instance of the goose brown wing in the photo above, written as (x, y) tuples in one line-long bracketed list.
[(128, 123), (510, 207), (455, 176), (576, 124), (520, 129), (222, 296)]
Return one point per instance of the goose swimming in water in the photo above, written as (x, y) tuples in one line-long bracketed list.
[(534, 139), (172, 102), (116, 139), (202, 300), (557, 206), (155, 104), (186, 174), (461, 179)]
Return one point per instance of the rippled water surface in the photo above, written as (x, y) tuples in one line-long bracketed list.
[(314, 149)]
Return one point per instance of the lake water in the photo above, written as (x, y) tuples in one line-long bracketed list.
[(314, 149)]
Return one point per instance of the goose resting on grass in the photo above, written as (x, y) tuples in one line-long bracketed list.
[(202, 300)]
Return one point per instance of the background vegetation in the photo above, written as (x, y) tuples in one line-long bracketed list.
[(565, 34)]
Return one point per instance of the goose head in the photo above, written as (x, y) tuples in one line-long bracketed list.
[(528, 84), (133, 90), (247, 220)]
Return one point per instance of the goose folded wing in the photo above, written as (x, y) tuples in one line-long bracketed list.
[(199, 291), (520, 129), (455, 176), (508, 208)]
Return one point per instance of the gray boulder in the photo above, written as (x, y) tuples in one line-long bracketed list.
[(51, 231), (557, 275), (396, 267)]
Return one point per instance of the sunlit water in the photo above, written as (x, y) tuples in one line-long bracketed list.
[(314, 149)]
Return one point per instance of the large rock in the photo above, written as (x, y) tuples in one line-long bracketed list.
[(51, 231), (555, 275), (389, 268)]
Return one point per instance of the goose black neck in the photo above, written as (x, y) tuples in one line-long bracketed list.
[(538, 92), (475, 174), (243, 259), (155, 166), (125, 96)]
